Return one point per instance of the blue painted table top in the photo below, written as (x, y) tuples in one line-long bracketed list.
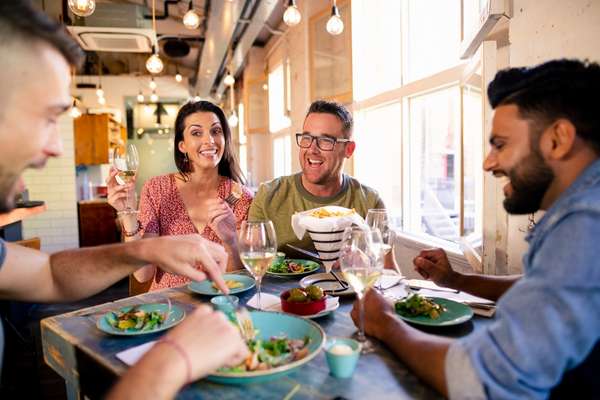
[(86, 357)]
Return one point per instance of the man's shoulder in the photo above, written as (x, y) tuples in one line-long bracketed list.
[(357, 187), (276, 185)]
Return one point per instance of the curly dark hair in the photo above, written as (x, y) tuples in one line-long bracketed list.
[(552, 90), (229, 165)]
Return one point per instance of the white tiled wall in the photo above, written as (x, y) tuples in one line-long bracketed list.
[(55, 184)]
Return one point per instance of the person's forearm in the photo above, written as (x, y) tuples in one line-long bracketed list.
[(490, 287), (83, 272), (235, 262), (140, 381), (425, 354)]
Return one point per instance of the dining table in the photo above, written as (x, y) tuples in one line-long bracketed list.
[(86, 357)]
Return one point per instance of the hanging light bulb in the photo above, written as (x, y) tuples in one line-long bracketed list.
[(153, 97), (292, 15), (265, 87), (197, 98), (154, 64), (152, 84), (140, 97), (75, 112), (178, 77), (101, 101), (233, 120), (100, 91), (335, 25), (83, 8), (191, 20), (229, 80)]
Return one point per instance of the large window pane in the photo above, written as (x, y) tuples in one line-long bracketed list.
[(473, 160), (377, 161), (282, 156), (433, 37), (278, 119), (434, 164), (376, 35)]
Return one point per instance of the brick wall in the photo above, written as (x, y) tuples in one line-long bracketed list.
[(55, 184)]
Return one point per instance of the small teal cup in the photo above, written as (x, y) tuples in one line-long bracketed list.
[(342, 364), (225, 304)]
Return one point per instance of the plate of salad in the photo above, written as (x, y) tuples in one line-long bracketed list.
[(141, 319), (293, 267), (432, 311), (282, 344)]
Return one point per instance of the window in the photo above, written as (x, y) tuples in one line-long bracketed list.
[(243, 140), (282, 156), (278, 118), (422, 115)]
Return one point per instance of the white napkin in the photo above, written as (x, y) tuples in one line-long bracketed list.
[(303, 220), (132, 355), (268, 302)]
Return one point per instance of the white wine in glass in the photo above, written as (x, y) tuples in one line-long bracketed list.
[(127, 161), (361, 268), (257, 246)]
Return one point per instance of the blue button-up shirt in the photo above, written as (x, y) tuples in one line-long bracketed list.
[(549, 321)]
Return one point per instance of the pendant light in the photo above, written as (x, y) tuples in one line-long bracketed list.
[(154, 64), (229, 80), (75, 112), (154, 97), (292, 16), (152, 84), (140, 97), (191, 19), (178, 76), (335, 25), (101, 101), (82, 8)]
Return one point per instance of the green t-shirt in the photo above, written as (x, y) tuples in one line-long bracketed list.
[(279, 199)]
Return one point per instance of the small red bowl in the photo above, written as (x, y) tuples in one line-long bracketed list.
[(308, 308)]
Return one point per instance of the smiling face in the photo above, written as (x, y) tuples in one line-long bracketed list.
[(515, 155), (203, 140), (323, 167), (35, 82)]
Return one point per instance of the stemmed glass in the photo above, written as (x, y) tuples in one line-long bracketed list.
[(258, 246), (126, 160), (361, 268)]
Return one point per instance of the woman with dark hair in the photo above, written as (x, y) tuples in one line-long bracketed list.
[(206, 196)]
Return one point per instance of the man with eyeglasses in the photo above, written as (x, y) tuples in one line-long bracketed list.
[(325, 143)]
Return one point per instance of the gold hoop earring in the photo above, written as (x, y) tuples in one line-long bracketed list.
[(185, 158)]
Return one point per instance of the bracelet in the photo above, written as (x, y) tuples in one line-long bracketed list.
[(135, 232), (183, 354)]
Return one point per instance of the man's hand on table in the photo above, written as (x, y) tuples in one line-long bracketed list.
[(378, 314), (434, 265), (191, 256)]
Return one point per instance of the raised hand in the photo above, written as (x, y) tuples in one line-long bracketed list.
[(433, 264), (120, 195), (376, 307), (222, 221)]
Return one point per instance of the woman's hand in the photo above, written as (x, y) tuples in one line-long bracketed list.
[(222, 221), (120, 196)]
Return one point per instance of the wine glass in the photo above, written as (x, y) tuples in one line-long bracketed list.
[(361, 268), (258, 246), (126, 160)]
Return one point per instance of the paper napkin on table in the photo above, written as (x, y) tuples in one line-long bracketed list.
[(132, 355), (267, 302)]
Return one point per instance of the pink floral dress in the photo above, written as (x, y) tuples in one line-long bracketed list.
[(163, 212)]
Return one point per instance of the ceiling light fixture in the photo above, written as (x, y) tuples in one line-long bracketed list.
[(191, 19), (178, 76), (140, 97), (154, 97), (154, 64), (100, 91), (152, 84), (229, 80), (292, 16), (75, 112), (335, 25), (82, 8), (101, 101)]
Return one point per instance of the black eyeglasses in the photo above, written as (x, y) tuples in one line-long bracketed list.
[(324, 143)]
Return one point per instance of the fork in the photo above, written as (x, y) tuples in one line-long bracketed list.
[(234, 195), (245, 324)]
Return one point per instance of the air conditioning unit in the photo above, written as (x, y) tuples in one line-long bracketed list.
[(114, 27)]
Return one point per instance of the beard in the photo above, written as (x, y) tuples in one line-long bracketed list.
[(7, 190), (530, 182)]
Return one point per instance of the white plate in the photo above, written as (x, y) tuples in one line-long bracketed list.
[(270, 302), (328, 283)]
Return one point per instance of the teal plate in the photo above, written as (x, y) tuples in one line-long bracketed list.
[(175, 316), (311, 266), (206, 288), (456, 313), (271, 324)]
